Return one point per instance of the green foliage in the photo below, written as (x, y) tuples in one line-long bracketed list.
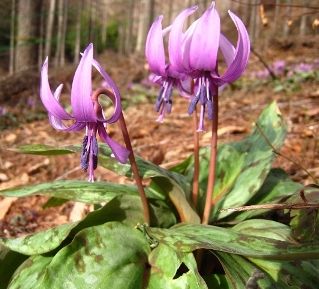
[(110, 249)]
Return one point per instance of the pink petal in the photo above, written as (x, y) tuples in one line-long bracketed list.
[(111, 84), (187, 44), (176, 37), (50, 102), (239, 63), (227, 49), (154, 48), (81, 90), (57, 123), (205, 41), (120, 152)]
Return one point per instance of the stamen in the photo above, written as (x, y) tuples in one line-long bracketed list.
[(201, 119), (159, 99), (85, 154)]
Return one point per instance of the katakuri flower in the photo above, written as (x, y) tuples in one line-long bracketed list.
[(195, 51), (165, 73), (86, 110)]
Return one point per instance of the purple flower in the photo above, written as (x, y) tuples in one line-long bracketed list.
[(303, 67), (195, 51), (164, 73), (86, 111), (279, 67)]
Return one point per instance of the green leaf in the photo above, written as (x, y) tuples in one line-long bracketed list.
[(46, 150), (265, 228), (54, 202), (9, 262), (30, 273), (297, 274), (305, 222), (242, 166), (111, 255), (258, 159), (165, 264), (125, 208), (39, 243), (166, 188), (276, 187), (242, 274), (187, 238), (171, 184), (81, 191), (285, 274)]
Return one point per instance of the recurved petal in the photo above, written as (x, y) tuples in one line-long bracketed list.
[(228, 50), (205, 41), (117, 96), (50, 102), (120, 152), (57, 123), (176, 38), (154, 48), (239, 63), (81, 90)]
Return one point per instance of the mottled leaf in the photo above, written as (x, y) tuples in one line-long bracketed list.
[(111, 255), (166, 273), (41, 149), (9, 262), (187, 238), (276, 187), (265, 228), (81, 191)]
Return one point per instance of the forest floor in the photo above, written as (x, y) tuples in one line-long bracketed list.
[(165, 144)]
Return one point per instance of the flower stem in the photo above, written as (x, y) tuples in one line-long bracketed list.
[(212, 163), (196, 159), (134, 167), (132, 160)]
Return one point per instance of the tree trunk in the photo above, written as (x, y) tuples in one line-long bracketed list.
[(59, 34), (252, 20), (49, 26), (104, 23), (26, 28), (92, 21), (276, 17), (129, 27), (64, 27), (77, 42), (12, 36), (145, 21), (303, 21), (287, 18), (41, 35)]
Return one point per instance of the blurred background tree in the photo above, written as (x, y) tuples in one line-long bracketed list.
[(32, 29)]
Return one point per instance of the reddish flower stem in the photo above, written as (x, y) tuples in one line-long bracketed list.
[(132, 160), (196, 159), (212, 163)]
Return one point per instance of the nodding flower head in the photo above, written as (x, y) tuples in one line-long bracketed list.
[(87, 113), (165, 72), (194, 53)]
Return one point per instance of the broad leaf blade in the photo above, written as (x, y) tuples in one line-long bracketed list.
[(45, 150), (165, 263), (187, 238), (107, 256), (81, 191)]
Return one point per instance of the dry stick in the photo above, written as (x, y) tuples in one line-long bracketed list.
[(128, 145), (283, 156), (196, 160), (264, 63), (273, 207), (212, 164)]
